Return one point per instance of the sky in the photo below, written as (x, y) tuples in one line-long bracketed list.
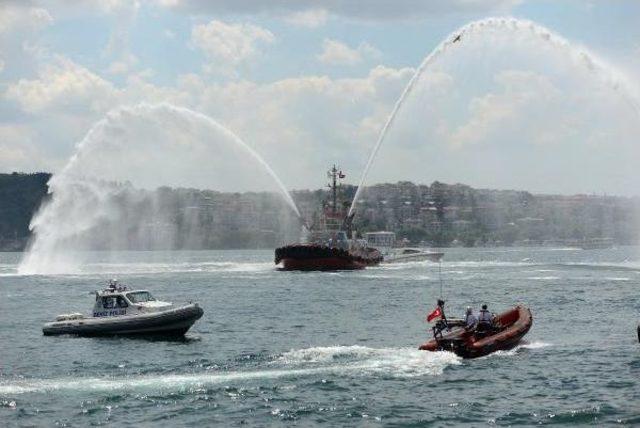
[(310, 83)]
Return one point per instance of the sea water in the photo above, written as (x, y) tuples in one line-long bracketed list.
[(333, 348)]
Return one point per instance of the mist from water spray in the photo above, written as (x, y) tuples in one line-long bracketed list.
[(598, 68), (110, 193)]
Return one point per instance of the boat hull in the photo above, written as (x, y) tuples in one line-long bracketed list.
[(328, 263), (173, 322), (431, 256), (309, 257), (514, 325)]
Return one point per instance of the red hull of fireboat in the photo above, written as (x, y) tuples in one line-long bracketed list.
[(322, 257), (329, 263)]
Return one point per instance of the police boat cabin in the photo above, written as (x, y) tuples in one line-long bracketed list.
[(117, 300)]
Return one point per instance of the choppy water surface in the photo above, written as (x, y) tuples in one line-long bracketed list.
[(336, 348)]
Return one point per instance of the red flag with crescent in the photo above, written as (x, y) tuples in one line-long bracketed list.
[(436, 314)]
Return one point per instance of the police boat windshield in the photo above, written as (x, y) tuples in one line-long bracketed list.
[(140, 297)]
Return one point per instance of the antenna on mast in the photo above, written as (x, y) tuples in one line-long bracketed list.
[(440, 276)]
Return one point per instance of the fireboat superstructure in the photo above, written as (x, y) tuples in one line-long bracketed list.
[(330, 244)]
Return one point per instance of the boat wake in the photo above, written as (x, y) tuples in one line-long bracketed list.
[(151, 268), (627, 265), (356, 361), (518, 349), (395, 362)]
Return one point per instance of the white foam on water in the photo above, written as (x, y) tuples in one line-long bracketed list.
[(484, 264), (325, 354), (171, 382), (516, 350), (398, 277), (447, 265), (400, 362), (8, 269), (407, 264), (8, 274), (534, 345), (543, 278), (627, 264), (149, 267), (342, 360)]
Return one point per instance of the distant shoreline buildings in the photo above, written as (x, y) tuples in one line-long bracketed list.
[(438, 215), (445, 215)]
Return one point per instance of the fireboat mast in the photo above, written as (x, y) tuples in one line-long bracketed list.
[(335, 175), (333, 185)]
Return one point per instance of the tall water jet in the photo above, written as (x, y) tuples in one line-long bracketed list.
[(132, 181), (599, 69)]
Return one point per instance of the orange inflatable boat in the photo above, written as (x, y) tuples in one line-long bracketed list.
[(507, 330)]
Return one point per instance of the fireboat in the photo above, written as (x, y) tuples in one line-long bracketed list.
[(330, 245)]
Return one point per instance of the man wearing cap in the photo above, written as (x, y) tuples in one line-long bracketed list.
[(485, 320)]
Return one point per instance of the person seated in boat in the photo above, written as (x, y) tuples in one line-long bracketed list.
[(485, 320), (470, 320)]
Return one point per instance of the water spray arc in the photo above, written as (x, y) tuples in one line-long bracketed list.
[(145, 108), (152, 146), (599, 68), (285, 193)]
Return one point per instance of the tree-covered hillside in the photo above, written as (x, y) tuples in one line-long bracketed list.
[(20, 197), (438, 215)]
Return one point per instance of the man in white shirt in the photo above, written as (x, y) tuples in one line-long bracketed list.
[(470, 320)]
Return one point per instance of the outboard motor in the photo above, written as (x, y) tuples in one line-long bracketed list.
[(456, 345)]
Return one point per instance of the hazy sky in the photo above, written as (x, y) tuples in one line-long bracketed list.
[(307, 83)]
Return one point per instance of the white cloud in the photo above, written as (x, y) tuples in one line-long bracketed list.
[(119, 7), (17, 151), (62, 84), (335, 52), (20, 25), (313, 119), (296, 116), (122, 14), (124, 65), (228, 45), (493, 113), (311, 18), (379, 10), (338, 53), (542, 130), (369, 50), (17, 18)]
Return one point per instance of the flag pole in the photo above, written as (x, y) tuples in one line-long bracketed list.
[(440, 276)]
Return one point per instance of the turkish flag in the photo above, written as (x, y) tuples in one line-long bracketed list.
[(436, 314)]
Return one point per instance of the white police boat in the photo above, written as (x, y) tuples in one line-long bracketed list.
[(120, 311)]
